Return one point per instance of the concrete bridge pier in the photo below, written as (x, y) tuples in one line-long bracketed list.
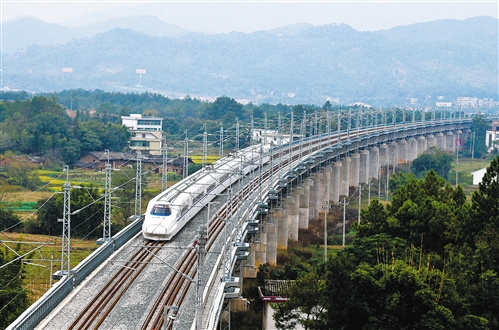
[(345, 176), (421, 145), (316, 193), (364, 166), (450, 143), (293, 215), (271, 249), (335, 183), (354, 170), (325, 183), (304, 204), (259, 251), (282, 224), (383, 155), (393, 156), (459, 140), (402, 151), (411, 149), (466, 134), (440, 141), (431, 141), (373, 163)]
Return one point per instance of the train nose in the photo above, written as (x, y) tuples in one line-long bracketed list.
[(156, 230)]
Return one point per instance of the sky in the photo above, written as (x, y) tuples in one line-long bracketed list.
[(249, 16)]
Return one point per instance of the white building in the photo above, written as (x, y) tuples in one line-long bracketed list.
[(492, 135), (478, 175), (146, 133)]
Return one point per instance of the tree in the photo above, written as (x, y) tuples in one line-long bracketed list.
[(9, 221), (21, 174), (71, 152), (85, 223), (305, 304), (13, 297), (223, 107), (476, 140), (435, 159), (47, 218)]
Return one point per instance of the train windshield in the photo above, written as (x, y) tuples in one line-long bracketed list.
[(159, 209)]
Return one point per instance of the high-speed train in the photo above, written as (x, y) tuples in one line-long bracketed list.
[(171, 210)]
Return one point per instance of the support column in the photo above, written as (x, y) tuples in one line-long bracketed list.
[(364, 166), (336, 182), (413, 149), (402, 151), (431, 141), (425, 144), (282, 225), (383, 155), (293, 211), (466, 134), (421, 145), (325, 183), (440, 141), (450, 144), (345, 176), (354, 170), (316, 202), (393, 155), (304, 204), (271, 248), (258, 249), (373, 163)]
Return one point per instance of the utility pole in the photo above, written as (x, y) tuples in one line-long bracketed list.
[(344, 219), (326, 207), (360, 201), (138, 185), (201, 250), (164, 174), (237, 133), (205, 146), (186, 156)]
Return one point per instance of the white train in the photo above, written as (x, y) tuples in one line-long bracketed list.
[(171, 210)]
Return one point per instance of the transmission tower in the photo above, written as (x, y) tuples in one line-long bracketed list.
[(106, 235), (66, 226)]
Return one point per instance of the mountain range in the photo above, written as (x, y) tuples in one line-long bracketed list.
[(300, 63)]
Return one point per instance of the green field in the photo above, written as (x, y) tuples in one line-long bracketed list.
[(45, 256)]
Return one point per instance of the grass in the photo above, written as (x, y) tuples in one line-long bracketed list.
[(318, 251), (468, 165), (46, 256)]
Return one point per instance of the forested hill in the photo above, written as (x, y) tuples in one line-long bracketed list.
[(300, 64)]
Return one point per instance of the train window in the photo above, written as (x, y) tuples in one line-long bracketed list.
[(159, 209)]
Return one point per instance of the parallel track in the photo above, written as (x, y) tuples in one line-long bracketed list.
[(99, 308)]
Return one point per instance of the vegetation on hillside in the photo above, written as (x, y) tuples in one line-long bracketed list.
[(427, 260), (449, 58)]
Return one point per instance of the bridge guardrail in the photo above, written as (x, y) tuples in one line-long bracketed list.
[(61, 289), (123, 236), (43, 306), (90, 263)]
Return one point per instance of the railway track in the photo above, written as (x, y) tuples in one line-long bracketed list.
[(178, 282), (99, 308)]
